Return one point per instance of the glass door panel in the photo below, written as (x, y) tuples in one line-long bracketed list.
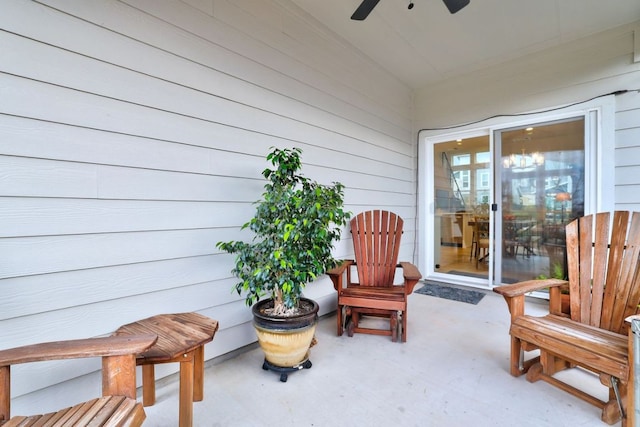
[(462, 190), (541, 186)]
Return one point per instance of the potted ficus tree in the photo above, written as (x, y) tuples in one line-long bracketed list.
[(294, 228)]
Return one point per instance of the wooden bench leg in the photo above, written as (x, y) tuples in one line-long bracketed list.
[(186, 389), (148, 385)]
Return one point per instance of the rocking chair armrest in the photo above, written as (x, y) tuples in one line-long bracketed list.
[(522, 288)]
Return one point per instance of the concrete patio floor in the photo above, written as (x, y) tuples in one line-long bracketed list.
[(452, 371)]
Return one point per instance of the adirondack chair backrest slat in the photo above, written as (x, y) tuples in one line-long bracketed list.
[(602, 256), (376, 243), (630, 298), (600, 252)]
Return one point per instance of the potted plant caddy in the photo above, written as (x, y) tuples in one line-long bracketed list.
[(294, 228)]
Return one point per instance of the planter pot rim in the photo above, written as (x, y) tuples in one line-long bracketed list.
[(300, 317)]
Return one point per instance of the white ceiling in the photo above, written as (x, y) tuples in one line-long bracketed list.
[(427, 44)]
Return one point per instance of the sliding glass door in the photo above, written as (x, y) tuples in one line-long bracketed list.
[(501, 201)]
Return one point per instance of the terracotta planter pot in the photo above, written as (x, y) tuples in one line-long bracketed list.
[(285, 341)]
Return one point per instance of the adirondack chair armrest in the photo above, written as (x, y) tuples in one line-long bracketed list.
[(75, 349), (522, 288), (514, 294), (336, 274), (118, 362), (411, 276)]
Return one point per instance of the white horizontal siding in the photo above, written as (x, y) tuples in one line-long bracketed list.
[(627, 154), (132, 139), (192, 58), (25, 295), (30, 216)]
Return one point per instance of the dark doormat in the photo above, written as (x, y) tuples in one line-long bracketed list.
[(441, 290)]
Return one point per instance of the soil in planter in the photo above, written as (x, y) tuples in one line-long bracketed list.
[(303, 308)]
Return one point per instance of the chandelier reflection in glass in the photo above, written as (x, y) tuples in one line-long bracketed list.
[(524, 160)]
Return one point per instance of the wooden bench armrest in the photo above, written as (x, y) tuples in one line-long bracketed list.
[(74, 349)]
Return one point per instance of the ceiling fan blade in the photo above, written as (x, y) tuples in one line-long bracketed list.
[(455, 5), (364, 9)]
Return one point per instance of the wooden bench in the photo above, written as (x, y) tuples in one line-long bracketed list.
[(117, 407), (604, 289)]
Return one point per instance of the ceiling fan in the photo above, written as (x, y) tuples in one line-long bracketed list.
[(367, 6)]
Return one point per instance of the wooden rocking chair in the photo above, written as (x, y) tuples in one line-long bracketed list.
[(376, 242), (116, 407), (604, 289)]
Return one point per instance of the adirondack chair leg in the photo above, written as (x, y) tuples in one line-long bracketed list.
[(535, 372), (394, 326), (348, 321), (517, 358), (520, 366), (350, 328), (614, 409), (340, 318), (552, 364), (404, 326), (351, 321), (611, 413)]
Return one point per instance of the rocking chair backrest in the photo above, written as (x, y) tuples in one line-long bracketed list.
[(376, 243), (602, 260)]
